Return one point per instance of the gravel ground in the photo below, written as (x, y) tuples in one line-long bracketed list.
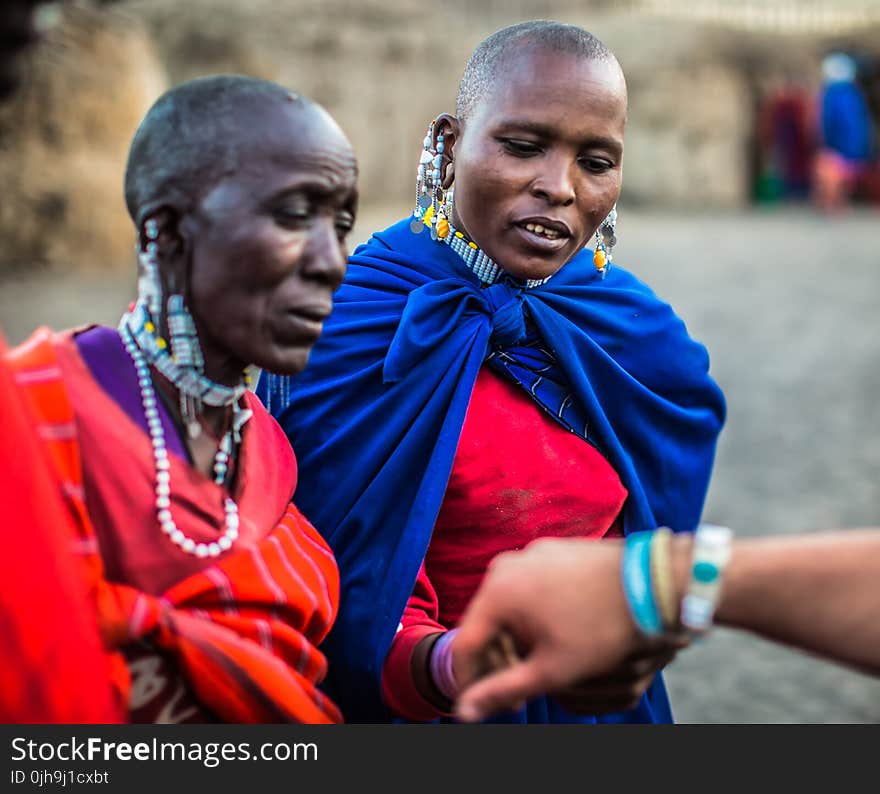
[(787, 304)]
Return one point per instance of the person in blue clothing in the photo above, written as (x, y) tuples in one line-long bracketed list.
[(487, 377), (845, 131)]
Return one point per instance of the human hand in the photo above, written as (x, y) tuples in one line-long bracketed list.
[(562, 602), (621, 689)]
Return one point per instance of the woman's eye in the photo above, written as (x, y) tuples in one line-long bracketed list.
[(520, 148), (596, 165), (344, 223), (292, 214)]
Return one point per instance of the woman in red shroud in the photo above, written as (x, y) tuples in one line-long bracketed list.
[(211, 589)]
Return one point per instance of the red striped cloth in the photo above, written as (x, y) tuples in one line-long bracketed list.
[(241, 632), (56, 670)]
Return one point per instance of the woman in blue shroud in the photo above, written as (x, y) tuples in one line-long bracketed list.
[(485, 379)]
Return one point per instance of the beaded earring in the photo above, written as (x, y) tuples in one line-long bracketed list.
[(149, 286), (181, 361), (187, 353), (431, 202), (605, 241)]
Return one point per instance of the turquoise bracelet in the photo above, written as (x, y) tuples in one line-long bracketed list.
[(637, 583)]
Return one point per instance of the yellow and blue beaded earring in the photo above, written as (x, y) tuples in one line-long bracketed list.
[(605, 241)]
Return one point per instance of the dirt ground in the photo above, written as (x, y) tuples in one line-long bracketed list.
[(787, 304)]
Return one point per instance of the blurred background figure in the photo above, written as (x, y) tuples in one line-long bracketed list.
[(846, 134), (785, 141)]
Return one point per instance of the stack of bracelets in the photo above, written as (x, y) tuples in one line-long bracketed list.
[(650, 589)]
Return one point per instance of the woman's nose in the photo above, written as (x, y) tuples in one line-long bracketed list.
[(555, 183), (325, 254)]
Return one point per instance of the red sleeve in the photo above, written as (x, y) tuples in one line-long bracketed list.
[(419, 620)]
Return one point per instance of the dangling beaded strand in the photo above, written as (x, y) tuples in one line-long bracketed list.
[(163, 466)]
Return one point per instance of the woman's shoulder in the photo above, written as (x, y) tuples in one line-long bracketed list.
[(397, 260), (618, 290), (391, 238), (623, 314), (265, 425)]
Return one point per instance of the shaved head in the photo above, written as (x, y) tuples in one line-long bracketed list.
[(194, 135), (484, 65)]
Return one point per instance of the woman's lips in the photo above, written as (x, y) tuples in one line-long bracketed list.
[(538, 241), (296, 327)]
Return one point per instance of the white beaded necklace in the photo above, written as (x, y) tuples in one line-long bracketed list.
[(484, 268), (163, 466)]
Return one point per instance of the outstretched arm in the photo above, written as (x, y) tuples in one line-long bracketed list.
[(818, 592), (563, 603)]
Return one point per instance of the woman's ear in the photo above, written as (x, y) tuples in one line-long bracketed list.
[(162, 227), (450, 128)]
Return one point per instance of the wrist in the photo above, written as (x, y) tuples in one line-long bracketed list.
[(423, 675)]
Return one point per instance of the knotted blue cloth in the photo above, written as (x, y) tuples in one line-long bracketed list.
[(376, 416)]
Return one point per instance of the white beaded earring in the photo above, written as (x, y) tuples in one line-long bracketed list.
[(187, 353), (149, 286)]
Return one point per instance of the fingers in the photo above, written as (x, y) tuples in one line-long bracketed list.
[(647, 665), (505, 690), (607, 698), (482, 644), (621, 689), (507, 649), (508, 689)]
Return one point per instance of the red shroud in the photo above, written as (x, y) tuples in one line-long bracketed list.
[(241, 631)]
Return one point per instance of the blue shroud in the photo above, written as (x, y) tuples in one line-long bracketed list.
[(375, 420)]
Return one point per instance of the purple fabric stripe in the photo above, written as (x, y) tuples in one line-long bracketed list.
[(111, 366)]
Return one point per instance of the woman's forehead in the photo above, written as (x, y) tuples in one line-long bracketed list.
[(293, 126), (292, 138), (281, 158), (532, 80)]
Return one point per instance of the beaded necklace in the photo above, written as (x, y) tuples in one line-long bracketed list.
[(484, 268), (186, 378), (160, 452)]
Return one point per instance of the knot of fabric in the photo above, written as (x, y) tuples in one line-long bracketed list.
[(451, 311), (505, 305)]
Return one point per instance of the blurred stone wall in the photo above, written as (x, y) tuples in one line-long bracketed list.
[(383, 68), (64, 141)]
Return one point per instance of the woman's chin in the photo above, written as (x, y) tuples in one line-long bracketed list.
[(289, 363), (529, 271)]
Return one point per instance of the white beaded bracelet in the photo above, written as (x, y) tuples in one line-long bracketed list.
[(711, 553)]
